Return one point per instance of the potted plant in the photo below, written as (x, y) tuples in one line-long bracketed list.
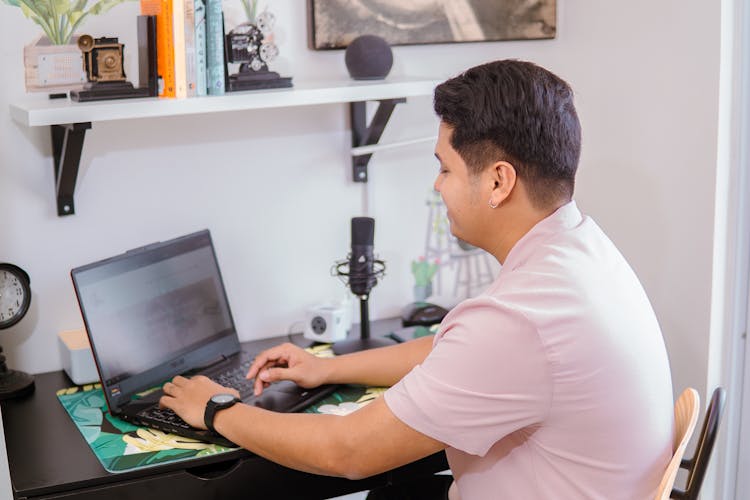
[(423, 272), (53, 62)]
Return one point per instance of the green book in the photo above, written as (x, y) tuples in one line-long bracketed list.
[(215, 48), (200, 48)]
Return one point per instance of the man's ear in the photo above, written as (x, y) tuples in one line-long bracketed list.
[(503, 179)]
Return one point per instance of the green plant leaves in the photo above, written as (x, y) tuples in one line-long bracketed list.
[(75, 16), (60, 6), (40, 8), (251, 7), (60, 18), (26, 10), (102, 6)]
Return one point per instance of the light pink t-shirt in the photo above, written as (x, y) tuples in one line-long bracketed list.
[(555, 382)]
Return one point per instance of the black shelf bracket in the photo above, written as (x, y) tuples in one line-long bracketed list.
[(67, 144), (368, 135)]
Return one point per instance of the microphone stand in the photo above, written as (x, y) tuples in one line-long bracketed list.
[(364, 341)]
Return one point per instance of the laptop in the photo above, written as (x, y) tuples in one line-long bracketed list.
[(160, 311)]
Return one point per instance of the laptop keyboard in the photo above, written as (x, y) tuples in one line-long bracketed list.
[(233, 378), (164, 415)]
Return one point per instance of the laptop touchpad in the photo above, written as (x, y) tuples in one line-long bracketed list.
[(275, 400), (286, 386)]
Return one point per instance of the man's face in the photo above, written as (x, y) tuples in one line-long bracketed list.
[(460, 190)]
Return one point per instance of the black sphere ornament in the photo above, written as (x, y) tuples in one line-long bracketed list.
[(368, 57)]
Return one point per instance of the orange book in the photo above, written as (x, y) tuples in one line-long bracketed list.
[(162, 9)]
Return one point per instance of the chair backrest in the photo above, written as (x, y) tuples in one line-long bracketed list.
[(697, 465), (686, 410)]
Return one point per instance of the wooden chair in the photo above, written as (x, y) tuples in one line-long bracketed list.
[(686, 410), (696, 466)]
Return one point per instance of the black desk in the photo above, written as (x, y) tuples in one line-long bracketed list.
[(48, 458)]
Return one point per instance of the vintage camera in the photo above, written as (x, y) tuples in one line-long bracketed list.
[(103, 63), (102, 58)]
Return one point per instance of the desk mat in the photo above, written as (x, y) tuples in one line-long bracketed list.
[(121, 446)]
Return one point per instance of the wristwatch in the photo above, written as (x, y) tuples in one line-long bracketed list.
[(217, 403)]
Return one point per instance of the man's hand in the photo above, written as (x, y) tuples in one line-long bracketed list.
[(188, 397), (287, 362)]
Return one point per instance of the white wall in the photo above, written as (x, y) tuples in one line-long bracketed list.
[(273, 185)]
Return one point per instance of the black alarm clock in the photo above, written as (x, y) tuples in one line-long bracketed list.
[(15, 297), (15, 294)]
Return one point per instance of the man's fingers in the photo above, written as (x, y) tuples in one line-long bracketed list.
[(259, 386), (261, 381), (261, 362), (264, 357), (269, 374), (274, 374), (275, 355), (168, 388), (167, 402)]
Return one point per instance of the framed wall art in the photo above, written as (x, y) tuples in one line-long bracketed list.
[(335, 23)]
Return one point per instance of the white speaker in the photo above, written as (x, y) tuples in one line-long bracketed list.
[(327, 322)]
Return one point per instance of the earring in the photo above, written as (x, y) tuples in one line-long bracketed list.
[(493, 206)]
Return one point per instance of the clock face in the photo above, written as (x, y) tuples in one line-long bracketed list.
[(15, 295), (222, 398)]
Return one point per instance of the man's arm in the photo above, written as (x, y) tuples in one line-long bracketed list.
[(380, 367), (369, 441)]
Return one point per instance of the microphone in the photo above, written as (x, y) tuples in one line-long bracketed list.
[(360, 272), (361, 276)]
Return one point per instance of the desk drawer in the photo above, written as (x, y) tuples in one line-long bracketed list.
[(237, 479)]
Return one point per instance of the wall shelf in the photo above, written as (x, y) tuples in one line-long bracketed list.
[(68, 120)]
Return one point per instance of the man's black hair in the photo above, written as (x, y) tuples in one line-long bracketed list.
[(518, 112)]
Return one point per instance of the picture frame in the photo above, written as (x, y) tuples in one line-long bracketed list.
[(333, 24)]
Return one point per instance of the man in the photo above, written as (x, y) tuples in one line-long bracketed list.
[(553, 383)]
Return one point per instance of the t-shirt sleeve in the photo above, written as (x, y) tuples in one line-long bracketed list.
[(486, 377)]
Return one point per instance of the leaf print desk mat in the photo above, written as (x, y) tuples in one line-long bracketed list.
[(121, 446)]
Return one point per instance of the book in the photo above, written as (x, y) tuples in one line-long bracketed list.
[(148, 75), (215, 66), (162, 9), (190, 72), (200, 47), (180, 70)]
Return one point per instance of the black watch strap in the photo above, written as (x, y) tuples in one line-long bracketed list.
[(217, 403)]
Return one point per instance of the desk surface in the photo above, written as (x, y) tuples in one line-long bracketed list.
[(47, 455)]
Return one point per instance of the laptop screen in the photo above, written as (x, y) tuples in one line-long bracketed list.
[(154, 312)]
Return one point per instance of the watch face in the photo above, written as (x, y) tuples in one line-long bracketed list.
[(15, 295), (222, 398)]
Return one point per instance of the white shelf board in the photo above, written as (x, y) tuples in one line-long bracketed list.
[(39, 112)]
